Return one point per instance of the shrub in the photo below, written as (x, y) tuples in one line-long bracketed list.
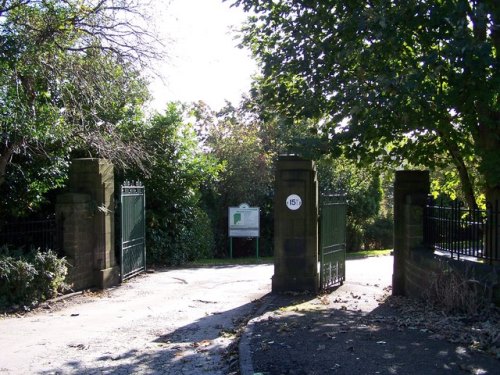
[(456, 291), (30, 279), (354, 237), (198, 240), (190, 241), (379, 234), (51, 274)]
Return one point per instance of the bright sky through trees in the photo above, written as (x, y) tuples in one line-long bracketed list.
[(204, 60)]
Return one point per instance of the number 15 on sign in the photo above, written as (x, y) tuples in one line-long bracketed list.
[(293, 202)]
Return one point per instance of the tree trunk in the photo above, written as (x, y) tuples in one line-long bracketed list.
[(465, 182), (463, 172), (488, 139), (492, 230), (5, 157)]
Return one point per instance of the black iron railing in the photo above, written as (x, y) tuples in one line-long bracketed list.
[(27, 234), (463, 232)]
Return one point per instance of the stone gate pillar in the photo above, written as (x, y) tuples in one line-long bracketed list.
[(295, 226), (411, 189), (88, 224)]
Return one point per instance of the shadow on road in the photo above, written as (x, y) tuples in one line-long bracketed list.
[(201, 347), (326, 336)]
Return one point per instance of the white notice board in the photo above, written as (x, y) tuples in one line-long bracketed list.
[(244, 221)]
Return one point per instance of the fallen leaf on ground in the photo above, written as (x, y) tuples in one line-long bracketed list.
[(202, 343)]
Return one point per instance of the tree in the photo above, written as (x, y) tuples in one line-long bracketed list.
[(233, 138), (177, 228), (389, 81), (360, 184), (361, 188), (70, 83)]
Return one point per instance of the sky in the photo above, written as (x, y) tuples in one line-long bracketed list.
[(204, 61)]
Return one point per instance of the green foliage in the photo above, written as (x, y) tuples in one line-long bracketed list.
[(51, 274), (369, 253), (187, 242), (177, 229), (361, 187), (217, 262), (31, 177), (68, 87), (235, 141), (388, 82), (446, 182), (30, 279), (198, 241), (379, 234)]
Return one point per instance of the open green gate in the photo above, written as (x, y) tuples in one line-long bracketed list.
[(332, 240), (133, 229)]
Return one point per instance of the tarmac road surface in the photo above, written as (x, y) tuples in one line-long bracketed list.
[(358, 328), (167, 322)]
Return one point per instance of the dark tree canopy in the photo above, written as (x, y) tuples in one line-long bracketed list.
[(414, 80), (70, 82)]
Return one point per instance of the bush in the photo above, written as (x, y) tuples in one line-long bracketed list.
[(458, 291), (354, 237), (198, 241), (379, 234), (30, 279), (190, 241), (51, 274)]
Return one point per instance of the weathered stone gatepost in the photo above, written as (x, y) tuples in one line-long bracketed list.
[(295, 226), (87, 213), (411, 189)]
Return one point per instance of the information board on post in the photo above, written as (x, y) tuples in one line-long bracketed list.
[(244, 221)]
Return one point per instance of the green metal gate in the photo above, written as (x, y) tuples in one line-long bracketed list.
[(332, 240), (133, 229)]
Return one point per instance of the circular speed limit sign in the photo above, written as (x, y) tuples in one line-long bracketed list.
[(293, 202)]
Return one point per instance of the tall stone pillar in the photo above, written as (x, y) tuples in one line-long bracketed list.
[(295, 226), (411, 189), (75, 213), (94, 179)]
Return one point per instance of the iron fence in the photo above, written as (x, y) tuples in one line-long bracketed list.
[(27, 234), (463, 232)]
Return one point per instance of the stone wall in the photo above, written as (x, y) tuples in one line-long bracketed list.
[(423, 267), (415, 266)]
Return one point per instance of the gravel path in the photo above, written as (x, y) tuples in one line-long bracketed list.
[(169, 322)]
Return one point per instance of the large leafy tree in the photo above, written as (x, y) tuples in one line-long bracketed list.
[(69, 83), (177, 228), (359, 184), (414, 80), (361, 188), (233, 138)]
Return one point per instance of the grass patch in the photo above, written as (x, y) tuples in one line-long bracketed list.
[(368, 253), (269, 260), (231, 262)]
